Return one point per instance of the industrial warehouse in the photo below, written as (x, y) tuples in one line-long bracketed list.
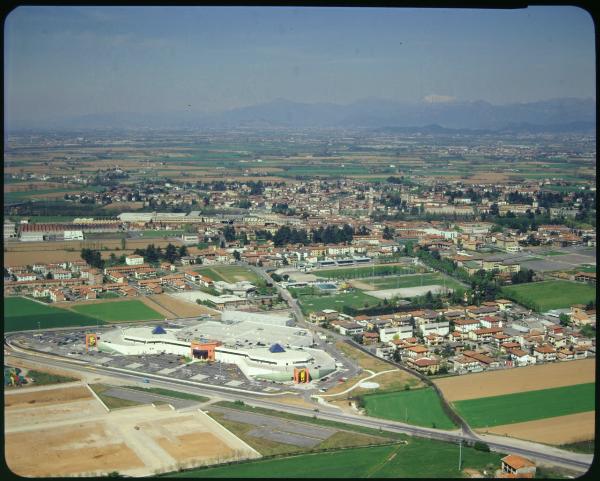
[(259, 345)]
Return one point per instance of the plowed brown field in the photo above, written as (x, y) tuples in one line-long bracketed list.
[(557, 430), (521, 379)]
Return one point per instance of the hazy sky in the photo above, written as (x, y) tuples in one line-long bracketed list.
[(63, 61)]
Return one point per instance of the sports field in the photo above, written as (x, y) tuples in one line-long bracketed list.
[(421, 407), (413, 280), (528, 406), (356, 299), (411, 460), (115, 311), (229, 273), (546, 295), (21, 314), (359, 272)]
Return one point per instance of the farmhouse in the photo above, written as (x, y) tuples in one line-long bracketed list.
[(514, 466)]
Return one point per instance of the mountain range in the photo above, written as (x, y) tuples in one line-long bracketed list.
[(556, 115)]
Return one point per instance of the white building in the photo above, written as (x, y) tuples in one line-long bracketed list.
[(31, 236), (260, 353), (134, 260), (387, 334), (10, 230), (73, 235)]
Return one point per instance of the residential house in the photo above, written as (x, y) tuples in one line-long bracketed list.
[(544, 353)]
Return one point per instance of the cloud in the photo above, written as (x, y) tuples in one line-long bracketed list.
[(438, 99)]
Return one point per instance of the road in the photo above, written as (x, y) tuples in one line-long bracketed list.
[(539, 452)]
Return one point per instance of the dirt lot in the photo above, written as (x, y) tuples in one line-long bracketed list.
[(508, 381), (180, 308), (558, 430), (192, 446), (46, 396), (71, 434), (82, 449)]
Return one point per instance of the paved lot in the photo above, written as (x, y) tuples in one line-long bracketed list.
[(278, 429)]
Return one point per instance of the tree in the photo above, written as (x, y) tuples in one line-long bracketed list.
[(564, 319), (171, 253), (123, 243), (237, 256), (229, 233), (388, 233), (182, 251)]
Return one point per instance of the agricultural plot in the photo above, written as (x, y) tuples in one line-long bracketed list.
[(522, 379), (410, 460), (22, 314), (229, 274), (356, 299), (527, 406), (546, 295), (421, 407), (116, 311)]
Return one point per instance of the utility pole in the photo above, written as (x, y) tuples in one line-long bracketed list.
[(459, 454)]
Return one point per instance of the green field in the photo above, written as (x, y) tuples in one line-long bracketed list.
[(527, 406), (356, 299), (397, 282), (119, 311), (546, 295), (170, 393), (421, 407), (360, 272), (22, 314), (411, 460), (44, 378), (230, 274)]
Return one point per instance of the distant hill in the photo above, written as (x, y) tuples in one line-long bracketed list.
[(556, 115)]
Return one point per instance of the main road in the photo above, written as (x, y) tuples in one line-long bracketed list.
[(579, 462)]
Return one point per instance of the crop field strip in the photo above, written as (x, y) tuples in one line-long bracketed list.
[(115, 311), (421, 407), (24, 314), (411, 460), (527, 406)]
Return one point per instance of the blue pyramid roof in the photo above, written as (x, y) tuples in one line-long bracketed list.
[(158, 330), (276, 348)]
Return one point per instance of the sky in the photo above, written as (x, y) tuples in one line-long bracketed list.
[(70, 61)]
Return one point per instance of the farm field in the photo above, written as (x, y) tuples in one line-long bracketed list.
[(356, 299), (115, 311), (178, 307), (413, 280), (411, 460), (359, 272), (546, 295), (559, 430), (421, 407), (23, 314), (527, 406), (521, 379), (229, 274)]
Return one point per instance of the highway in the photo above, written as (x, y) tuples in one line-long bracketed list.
[(541, 453)]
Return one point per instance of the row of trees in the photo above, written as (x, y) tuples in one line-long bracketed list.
[(154, 254)]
